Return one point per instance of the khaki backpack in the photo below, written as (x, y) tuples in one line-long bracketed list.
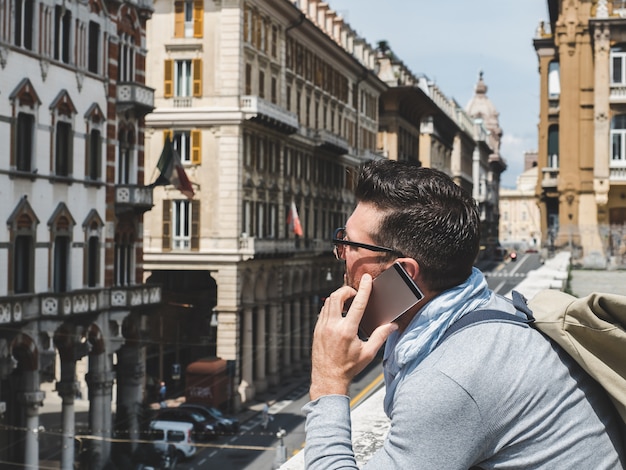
[(592, 330)]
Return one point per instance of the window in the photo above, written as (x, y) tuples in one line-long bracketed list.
[(262, 84), (181, 225), (183, 78), (126, 156), (553, 147), (24, 142), (63, 149), (94, 47), (188, 18), (124, 261), (61, 262), (61, 224), (126, 58), (94, 155), (618, 65), (554, 81), (24, 24), (181, 217), (92, 227), (23, 261), (62, 33), (248, 85), (182, 144), (618, 140)]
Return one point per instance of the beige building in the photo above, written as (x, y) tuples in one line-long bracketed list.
[(519, 214), (582, 129), (270, 106)]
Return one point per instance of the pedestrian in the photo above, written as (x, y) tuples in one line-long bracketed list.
[(265, 415), (495, 395), (162, 394)]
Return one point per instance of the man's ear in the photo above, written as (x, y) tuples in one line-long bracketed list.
[(411, 266)]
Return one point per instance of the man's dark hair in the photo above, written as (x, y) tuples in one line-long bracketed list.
[(427, 217)]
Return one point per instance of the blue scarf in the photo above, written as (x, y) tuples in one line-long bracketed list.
[(404, 352)]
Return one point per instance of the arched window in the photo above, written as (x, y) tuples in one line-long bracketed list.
[(22, 225), (92, 227), (61, 226)]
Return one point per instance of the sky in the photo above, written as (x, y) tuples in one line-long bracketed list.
[(451, 41)]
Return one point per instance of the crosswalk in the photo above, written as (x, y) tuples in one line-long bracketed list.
[(506, 274)]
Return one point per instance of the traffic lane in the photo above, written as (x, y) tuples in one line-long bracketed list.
[(504, 277), (254, 447)]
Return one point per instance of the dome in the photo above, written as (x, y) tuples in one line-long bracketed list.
[(480, 106)]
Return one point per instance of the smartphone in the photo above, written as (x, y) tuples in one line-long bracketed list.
[(393, 294)]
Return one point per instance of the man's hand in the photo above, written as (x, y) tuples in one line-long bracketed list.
[(338, 353)]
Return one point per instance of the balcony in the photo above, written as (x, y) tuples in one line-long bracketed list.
[(549, 178), (269, 114), (51, 305), (132, 197), (331, 142), (270, 247), (136, 97), (617, 93), (617, 174)]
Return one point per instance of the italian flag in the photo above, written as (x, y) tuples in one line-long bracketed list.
[(294, 220), (172, 170)]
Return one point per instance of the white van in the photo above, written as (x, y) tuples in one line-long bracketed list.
[(174, 433)]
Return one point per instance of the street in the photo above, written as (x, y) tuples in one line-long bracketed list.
[(504, 277), (256, 448)]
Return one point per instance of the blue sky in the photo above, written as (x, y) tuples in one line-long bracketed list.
[(450, 41)]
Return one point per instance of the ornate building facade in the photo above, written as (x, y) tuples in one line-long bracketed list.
[(582, 123), (72, 105)]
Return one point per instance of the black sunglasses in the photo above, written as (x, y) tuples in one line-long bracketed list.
[(340, 244)]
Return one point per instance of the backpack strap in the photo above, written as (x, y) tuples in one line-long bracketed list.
[(492, 315)]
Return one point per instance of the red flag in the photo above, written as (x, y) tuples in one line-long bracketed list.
[(294, 220)]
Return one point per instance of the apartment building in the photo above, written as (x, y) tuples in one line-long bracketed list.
[(271, 106), (581, 186), (72, 105)]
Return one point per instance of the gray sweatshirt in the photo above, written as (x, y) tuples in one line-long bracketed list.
[(494, 395)]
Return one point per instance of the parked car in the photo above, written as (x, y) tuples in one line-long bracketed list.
[(171, 435), (203, 427), (226, 424)]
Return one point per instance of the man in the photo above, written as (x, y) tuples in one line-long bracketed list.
[(495, 395)]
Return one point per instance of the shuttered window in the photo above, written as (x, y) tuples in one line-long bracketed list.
[(198, 17), (196, 147), (197, 77), (168, 80), (166, 240)]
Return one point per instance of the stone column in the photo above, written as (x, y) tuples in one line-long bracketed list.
[(130, 376), (67, 388), (100, 383), (260, 381), (246, 388), (272, 373), (31, 398), (286, 332), (297, 335)]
